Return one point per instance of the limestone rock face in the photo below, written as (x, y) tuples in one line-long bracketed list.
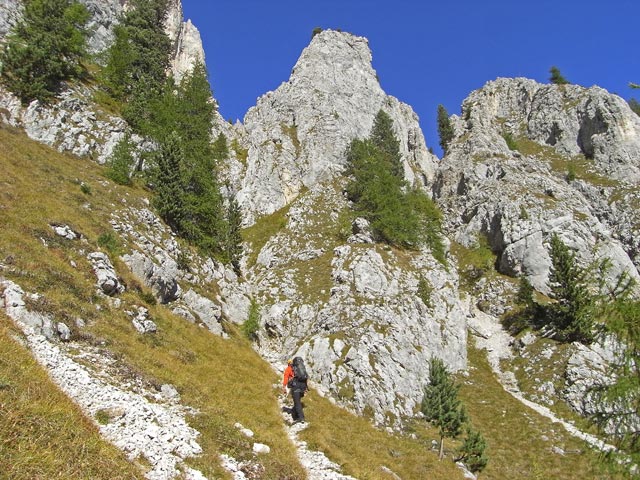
[(185, 37), (107, 278), (105, 14), (518, 195), (10, 12), (297, 135), (352, 310)]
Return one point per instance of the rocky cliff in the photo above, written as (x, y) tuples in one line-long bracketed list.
[(529, 161), (326, 290), (506, 175), (296, 136)]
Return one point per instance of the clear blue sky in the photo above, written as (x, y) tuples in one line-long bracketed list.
[(425, 52)]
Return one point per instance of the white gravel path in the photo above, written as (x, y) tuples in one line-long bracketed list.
[(317, 465), (155, 429), (490, 336)]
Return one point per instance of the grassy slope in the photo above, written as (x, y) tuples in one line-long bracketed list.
[(224, 379), (42, 433), (519, 440)]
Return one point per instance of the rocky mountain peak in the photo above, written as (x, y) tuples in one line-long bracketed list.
[(571, 119), (297, 135), (506, 175)]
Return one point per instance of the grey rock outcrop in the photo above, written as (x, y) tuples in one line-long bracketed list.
[(105, 14), (108, 281), (142, 322), (159, 274), (518, 198), (297, 135), (142, 423), (10, 12)]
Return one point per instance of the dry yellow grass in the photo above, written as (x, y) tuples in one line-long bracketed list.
[(363, 450), (43, 434), (520, 441), (224, 379)]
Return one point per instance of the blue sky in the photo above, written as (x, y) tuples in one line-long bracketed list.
[(425, 52)]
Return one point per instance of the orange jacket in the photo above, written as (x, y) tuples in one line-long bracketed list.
[(288, 375)]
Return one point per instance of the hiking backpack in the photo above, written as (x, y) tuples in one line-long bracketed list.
[(299, 372)]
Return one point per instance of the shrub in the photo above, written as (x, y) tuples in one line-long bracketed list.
[(316, 31), (85, 188), (110, 242), (425, 290), (147, 297), (510, 141), (472, 451), (251, 326)]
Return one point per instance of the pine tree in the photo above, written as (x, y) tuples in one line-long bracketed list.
[(384, 138), (556, 77), (169, 184), (472, 451), (45, 48), (524, 297), (220, 147), (440, 404), (620, 400), (572, 312), (138, 60), (445, 129), (233, 241), (120, 162)]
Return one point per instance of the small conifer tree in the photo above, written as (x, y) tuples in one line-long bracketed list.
[(120, 162), (445, 129), (233, 241), (384, 138), (472, 451), (441, 405), (169, 183), (556, 77), (572, 312)]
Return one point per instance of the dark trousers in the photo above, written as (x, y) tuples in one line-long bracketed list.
[(298, 414)]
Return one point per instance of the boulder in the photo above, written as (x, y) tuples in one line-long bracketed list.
[(108, 281)]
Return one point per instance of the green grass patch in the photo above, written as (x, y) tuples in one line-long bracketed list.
[(241, 153), (258, 234), (292, 132)]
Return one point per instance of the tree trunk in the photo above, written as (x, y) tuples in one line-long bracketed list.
[(441, 454)]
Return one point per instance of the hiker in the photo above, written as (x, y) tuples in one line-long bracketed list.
[(295, 377)]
